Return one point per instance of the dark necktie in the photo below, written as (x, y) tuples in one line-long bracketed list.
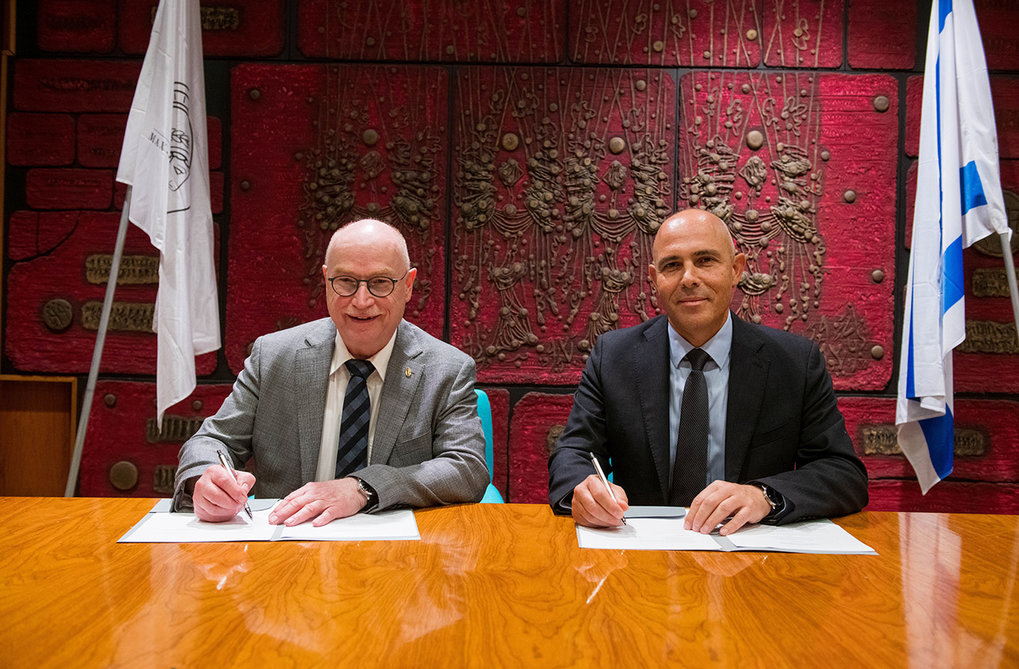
[(689, 473), (352, 453)]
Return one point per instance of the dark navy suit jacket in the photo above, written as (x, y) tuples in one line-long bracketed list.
[(783, 427)]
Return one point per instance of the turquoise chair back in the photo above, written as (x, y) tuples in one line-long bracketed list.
[(492, 495)]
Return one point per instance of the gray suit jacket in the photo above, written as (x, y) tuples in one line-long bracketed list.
[(428, 449)]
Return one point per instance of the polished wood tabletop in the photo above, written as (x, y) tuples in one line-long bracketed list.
[(499, 586)]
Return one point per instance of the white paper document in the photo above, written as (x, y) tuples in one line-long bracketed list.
[(649, 533), (161, 526)]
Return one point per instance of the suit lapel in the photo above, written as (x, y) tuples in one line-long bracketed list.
[(311, 375), (748, 374), (403, 376), (651, 385)]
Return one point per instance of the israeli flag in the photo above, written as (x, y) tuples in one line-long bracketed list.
[(958, 202)]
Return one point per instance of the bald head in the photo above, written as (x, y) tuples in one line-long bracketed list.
[(690, 219), (369, 230)]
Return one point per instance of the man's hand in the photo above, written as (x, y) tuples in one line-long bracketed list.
[(722, 499), (593, 506), (217, 497), (322, 500)]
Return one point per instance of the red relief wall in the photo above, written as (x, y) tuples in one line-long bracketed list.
[(561, 179), (528, 151)]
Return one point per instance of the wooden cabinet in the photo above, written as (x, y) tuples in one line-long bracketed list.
[(38, 419)]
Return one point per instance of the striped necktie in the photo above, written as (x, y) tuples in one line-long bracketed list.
[(352, 453)]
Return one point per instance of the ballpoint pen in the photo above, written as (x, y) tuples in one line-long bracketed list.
[(226, 466), (601, 475)]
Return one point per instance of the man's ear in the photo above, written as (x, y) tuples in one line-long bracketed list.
[(739, 263)]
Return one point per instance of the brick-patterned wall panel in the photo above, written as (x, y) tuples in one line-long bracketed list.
[(560, 179), (81, 26), (40, 139), (69, 188), (802, 167), (315, 147), (100, 138), (252, 28), (882, 34), (946, 497), (997, 19), (127, 455), (62, 85), (985, 432), (56, 289), (537, 421), (687, 33), (528, 31)]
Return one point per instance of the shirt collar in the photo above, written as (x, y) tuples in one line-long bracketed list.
[(718, 347), (380, 360)]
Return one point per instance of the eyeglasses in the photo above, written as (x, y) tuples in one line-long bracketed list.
[(379, 286)]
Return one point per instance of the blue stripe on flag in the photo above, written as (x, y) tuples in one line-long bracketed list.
[(972, 189), (911, 366), (939, 434), (952, 289), (944, 9)]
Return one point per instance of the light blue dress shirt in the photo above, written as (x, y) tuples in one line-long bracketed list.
[(716, 376)]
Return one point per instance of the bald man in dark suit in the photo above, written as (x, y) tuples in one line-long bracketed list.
[(774, 448)]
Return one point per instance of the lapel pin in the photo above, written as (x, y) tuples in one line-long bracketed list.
[(407, 372)]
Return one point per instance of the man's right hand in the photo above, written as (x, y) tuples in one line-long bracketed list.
[(594, 507), (217, 497)]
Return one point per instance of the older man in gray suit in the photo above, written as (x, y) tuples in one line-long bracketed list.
[(362, 412)]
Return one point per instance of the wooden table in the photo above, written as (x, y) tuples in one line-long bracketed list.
[(499, 586)]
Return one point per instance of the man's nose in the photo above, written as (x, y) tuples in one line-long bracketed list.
[(362, 296), (689, 279)]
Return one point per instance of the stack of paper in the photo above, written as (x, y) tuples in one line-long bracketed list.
[(161, 526), (647, 529)]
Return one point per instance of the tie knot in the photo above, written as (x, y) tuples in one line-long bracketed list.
[(698, 358), (362, 368)]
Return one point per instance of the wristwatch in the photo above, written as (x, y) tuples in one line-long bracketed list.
[(771, 497), (371, 498)]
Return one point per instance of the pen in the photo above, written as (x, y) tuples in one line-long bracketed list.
[(605, 481), (226, 466)]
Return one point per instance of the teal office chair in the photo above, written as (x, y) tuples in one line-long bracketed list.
[(492, 495)]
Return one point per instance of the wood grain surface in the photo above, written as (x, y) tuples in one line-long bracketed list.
[(498, 586)]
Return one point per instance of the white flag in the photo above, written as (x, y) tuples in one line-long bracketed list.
[(165, 160), (958, 202)]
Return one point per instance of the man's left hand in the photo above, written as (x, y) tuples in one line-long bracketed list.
[(322, 500), (722, 499)]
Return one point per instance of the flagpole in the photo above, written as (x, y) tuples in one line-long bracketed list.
[(1013, 291), (97, 352)]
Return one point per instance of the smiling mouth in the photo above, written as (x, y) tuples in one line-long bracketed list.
[(362, 319)]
